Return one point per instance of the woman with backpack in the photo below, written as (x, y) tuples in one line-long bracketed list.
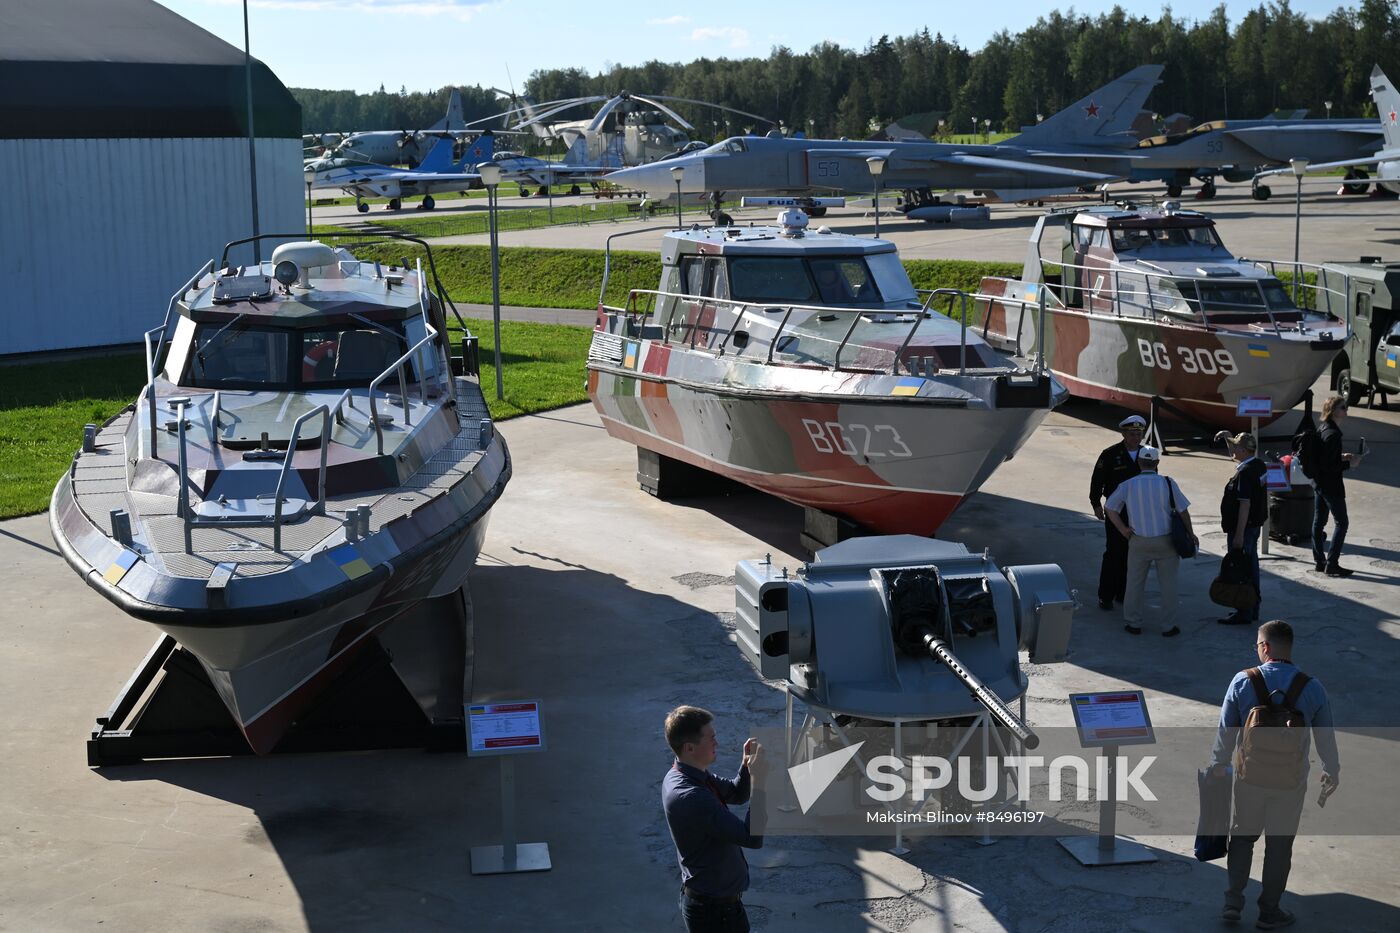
[(1330, 497)]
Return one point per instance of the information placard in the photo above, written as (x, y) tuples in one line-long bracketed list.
[(1254, 406), (1276, 477), (508, 728), (1117, 718)]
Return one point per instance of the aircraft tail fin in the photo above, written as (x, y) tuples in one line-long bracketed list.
[(1103, 118), (439, 158), (578, 152), (478, 150), (454, 120), (1387, 100)]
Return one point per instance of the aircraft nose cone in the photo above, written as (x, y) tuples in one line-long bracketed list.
[(655, 181)]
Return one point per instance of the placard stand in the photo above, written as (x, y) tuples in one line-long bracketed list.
[(1106, 721), (504, 730), (1107, 848), (509, 856)]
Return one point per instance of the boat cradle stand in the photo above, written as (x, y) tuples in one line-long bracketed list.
[(169, 708), (1161, 407)]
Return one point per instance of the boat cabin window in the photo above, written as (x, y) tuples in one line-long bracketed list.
[(1082, 236), (1128, 239), (1241, 296), (704, 276), (240, 356), (835, 280)]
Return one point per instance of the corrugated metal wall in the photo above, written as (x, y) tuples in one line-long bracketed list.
[(95, 234)]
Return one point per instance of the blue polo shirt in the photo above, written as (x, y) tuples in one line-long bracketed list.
[(707, 835), (1312, 703)]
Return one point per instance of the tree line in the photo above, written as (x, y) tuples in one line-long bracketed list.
[(1272, 59)]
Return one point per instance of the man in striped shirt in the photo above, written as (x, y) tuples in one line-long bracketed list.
[(1150, 499)]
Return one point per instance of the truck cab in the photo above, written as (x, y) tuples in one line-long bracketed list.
[(1371, 358)]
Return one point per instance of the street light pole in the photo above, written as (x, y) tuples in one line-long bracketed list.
[(987, 130), (491, 177), (677, 174), (877, 168), (974, 129), (310, 176), (1328, 105), (1300, 168)]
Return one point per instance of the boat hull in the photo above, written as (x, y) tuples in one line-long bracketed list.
[(893, 465), (1128, 361)]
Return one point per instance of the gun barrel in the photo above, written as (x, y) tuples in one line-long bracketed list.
[(938, 648)]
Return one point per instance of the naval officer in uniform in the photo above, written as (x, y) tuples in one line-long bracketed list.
[(1115, 465)]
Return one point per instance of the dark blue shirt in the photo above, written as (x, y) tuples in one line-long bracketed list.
[(707, 836), (1312, 703)]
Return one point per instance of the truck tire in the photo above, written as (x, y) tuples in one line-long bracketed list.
[(1348, 389)]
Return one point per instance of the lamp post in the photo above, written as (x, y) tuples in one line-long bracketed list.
[(1328, 105), (1300, 168), (1040, 118), (974, 129), (310, 176), (940, 129), (987, 130), (677, 173), (491, 177), (877, 168)]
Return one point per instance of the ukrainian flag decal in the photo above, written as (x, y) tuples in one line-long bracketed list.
[(630, 351), (907, 387), (349, 561), (1391, 357), (124, 562), (1259, 349)]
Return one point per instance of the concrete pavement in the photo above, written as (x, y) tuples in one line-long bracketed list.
[(612, 607)]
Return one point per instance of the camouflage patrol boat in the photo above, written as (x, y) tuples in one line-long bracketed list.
[(1147, 303), (805, 365), (301, 469)]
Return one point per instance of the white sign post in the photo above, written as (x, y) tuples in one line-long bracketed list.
[(504, 730), (1108, 720), (1255, 407)]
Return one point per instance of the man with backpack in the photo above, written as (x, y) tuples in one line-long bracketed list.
[(1269, 713)]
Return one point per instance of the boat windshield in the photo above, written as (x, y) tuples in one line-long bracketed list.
[(834, 280), (1131, 239), (242, 356), (1237, 296)]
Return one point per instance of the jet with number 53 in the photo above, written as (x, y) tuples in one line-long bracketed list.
[(1084, 145)]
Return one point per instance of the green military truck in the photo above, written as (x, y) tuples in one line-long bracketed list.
[(1371, 359)]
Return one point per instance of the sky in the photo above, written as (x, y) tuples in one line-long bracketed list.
[(424, 45)]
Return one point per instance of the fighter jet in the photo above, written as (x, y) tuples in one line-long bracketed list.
[(1387, 161), (440, 170), (1087, 144), (1237, 150), (572, 170)]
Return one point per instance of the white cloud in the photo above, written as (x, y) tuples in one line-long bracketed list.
[(669, 21), (462, 10), (738, 38)]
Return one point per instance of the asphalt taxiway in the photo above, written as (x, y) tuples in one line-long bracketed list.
[(611, 607)]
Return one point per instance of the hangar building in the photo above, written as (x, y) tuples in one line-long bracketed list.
[(124, 153)]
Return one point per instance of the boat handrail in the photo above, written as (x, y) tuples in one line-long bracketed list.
[(634, 316), (397, 367), (182, 499), (1152, 303), (320, 507)]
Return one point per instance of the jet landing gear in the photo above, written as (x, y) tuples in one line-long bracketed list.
[(361, 206), (1173, 191), (1356, 181), (1260, 192), (428, 203), (1207, 190), (393, 205)]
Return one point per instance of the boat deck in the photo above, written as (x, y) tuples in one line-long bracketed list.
[(99, 486)]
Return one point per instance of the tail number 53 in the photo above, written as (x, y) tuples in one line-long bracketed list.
[(856, 440), (1191, 359)]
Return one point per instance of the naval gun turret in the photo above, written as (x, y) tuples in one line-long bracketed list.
[(900, 628)]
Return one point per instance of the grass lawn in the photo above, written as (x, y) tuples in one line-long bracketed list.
[(43, 406)]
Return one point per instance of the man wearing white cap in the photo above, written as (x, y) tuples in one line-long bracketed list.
[(1150, 499), (1115, 465)]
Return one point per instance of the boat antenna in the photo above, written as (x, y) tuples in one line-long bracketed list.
[(252, 153)]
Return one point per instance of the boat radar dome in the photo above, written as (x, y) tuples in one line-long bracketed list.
[(1171, 207), (793, 222)]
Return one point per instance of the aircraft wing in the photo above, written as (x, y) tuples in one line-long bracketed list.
[(1389, 156), (1020, 166)]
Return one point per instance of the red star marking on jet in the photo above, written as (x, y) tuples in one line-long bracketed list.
[(1092, 110), (1392, 116)]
